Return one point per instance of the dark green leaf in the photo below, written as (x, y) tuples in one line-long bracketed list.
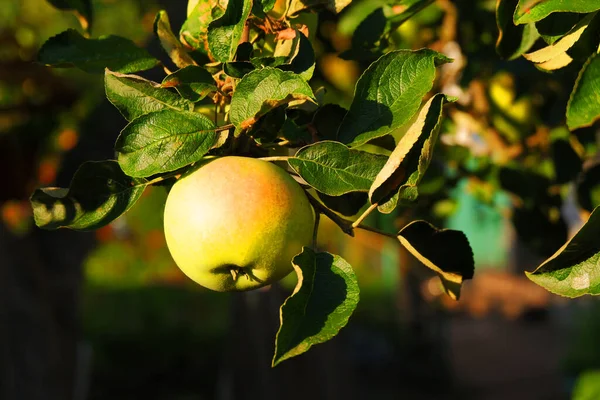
[(410, 159), (445, 251), (334, 169), (164, 141), (192, 82), (574, 270), (98, 194), (535, 10), (512, 40), (555, 26), (302, 60), (224, 34), (348, 204), (237, 69), (70, 49), (83, 9), (135, 96), (169, 42), (583, 108), (388, 94), (261, 90), (324, 299)]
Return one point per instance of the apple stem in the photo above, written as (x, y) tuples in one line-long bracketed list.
[(316, 230)]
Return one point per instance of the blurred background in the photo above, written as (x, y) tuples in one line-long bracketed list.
[(108, 315)]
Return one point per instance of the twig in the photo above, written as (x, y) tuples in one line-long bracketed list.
[(275, 158), (345, 225), (364, 215)]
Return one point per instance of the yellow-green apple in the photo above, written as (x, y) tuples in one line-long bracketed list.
[(235, 223)]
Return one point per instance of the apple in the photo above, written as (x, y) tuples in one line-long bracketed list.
[(235, 223)]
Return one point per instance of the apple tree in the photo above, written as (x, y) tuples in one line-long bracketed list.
[(238, 83)]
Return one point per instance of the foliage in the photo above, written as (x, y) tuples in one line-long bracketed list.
[(245, 84)]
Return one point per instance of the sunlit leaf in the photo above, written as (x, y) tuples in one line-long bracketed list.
[(334, 169), (135, 96), (164, 141), (70, 49), (410, 159), (169, 42), (98, 194), (583, 108), (261, 90), (295, 6), (224, 33), (445, 251), (322, 302), (388, 94), (555, 56), (574, 270), (535, 10)]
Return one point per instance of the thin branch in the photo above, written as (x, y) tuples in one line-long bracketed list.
[(345, 225), (275, 158), (379, 231), (364, 215), (224, 127)]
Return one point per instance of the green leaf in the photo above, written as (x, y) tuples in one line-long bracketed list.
[(348, 204), (135, 96), (445, 251), (388, 94), (169, 42), (583, 107), (322, 302), (512, 40), (336, 6), (261, 7), (555, 56), (194, 30), (237, 69), (192, 82), (164, 141), (574, 270), (587, 386), (410, 159), (224, 34), (82, 8), (70, 49), (261, 90), (535, 10), (98, 194), (334, 169)]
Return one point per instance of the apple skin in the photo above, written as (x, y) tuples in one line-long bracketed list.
[(237, 213)]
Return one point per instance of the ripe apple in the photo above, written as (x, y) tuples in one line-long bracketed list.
[(235, 223)]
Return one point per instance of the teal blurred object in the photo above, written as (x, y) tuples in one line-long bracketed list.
[(484, 224)]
